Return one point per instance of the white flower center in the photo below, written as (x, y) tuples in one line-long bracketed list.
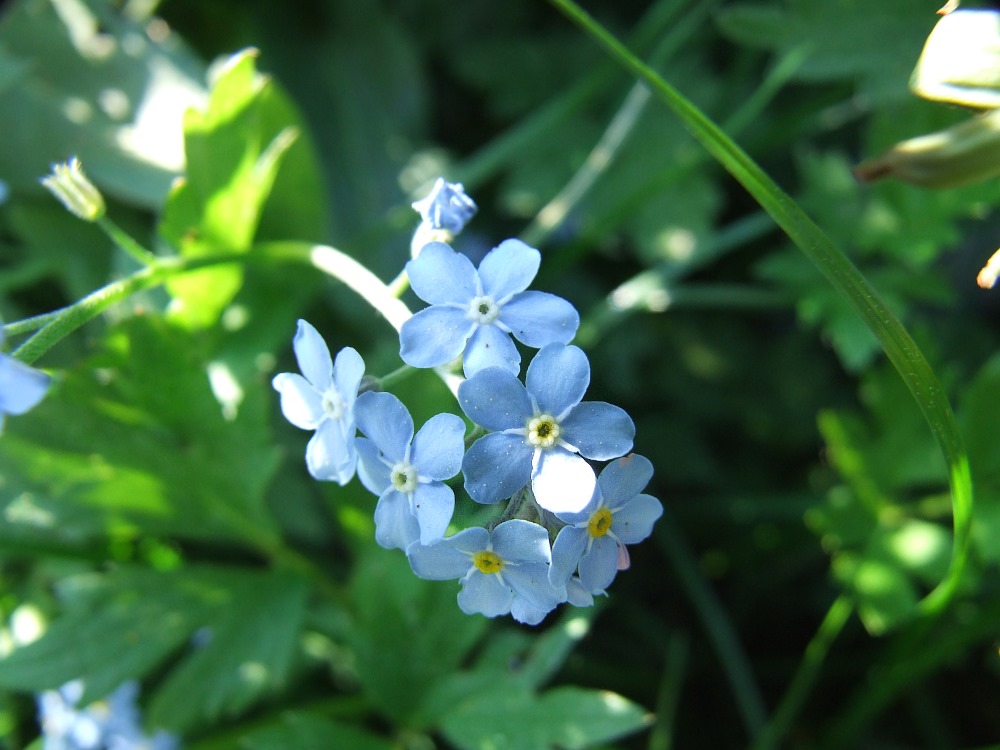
[(543, 431), (333, 405), (404, 477), (484, 310)]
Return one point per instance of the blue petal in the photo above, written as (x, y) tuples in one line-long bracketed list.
[(496, 466), (21, 386), (625, 478), (538, 319), (330, 454), (490, 347), (434, 336), (522, 611), (577, 595), (495, 399), (562, 481), (395, 525), (521, 541), (470, 541), (558, 377), (348, 369), (383, 418), (485, 594), (567, 550), (634, 521), (599, 566), (440, 275), (532, 583), (372, 470), (300, 402), (450, 558), (508, 268), (433, 505), (439, 446), (313, 356), (598, 430)]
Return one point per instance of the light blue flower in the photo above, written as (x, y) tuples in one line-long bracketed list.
[(540, 433), (407, 471), (476, 312), (21, 386), (446, 207), (594, 539), (502, 572), (323, 401), (110, 724)]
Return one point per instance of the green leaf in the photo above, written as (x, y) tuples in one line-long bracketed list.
[(885, 596), (93, 83), (875, 44), (233, 158), (303, 731), (565, 717), (122, 626), (134, 441), (252, 638), (408, 633)]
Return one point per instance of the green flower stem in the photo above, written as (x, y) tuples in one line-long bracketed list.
[(125, 241), (400, 373), (806, 675), (845, 278), (331, 261)]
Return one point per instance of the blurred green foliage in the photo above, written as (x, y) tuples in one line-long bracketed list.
[(155, 512)]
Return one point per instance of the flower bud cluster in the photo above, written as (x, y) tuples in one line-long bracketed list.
[(561, 531)]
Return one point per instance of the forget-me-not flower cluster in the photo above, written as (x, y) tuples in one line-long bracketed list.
[(109, 724), (561, 531)]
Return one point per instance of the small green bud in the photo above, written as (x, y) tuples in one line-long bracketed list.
[(70, 185)]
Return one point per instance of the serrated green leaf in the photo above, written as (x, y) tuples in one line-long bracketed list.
[(303, 731), (408, 633), (252, 638), (133, 440), (885, 595), (565, 717), (233, 162), (126, 627), (875, 44)]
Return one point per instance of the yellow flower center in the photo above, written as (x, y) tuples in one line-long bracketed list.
[(599, 523), (487, 562), (404, 477), (543, 431)]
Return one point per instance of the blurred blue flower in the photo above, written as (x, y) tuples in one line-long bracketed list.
[(506, 571), (594, 539), (446, 207), (407, 471), (323, 401), (476, 312), (540, 433), (110, 724), (21, 386)]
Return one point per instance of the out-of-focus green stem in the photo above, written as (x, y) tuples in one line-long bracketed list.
[(804, 679), (126, 242)]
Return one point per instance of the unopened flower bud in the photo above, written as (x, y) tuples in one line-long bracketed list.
[(964, 153), (70, 185)]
